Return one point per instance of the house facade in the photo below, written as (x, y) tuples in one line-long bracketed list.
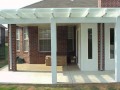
[(68, 33), (34, 44), (2, 41)]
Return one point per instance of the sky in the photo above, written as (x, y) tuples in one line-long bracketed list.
[(15, 4)]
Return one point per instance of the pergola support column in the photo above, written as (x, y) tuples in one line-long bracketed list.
[(53, 51), (12, 47), (117, 50)]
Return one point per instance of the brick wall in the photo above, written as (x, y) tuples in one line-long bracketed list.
[(21, 53), (33, 44), (62, 40), (35, 56), (101, 46), (110, 3)]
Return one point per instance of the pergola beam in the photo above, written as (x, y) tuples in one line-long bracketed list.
[(65, 15), (58, 20)]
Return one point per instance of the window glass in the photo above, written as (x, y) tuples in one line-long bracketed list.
[(44, 40), (90, 43), (25, 39), (70, 39), (17, 39), (111, 43)]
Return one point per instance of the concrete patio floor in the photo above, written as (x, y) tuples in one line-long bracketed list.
[(65, 75)]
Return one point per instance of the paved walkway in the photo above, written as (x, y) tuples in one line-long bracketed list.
[(70, 75)]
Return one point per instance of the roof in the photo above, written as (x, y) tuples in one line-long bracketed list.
[(2, 26), (64, 4)]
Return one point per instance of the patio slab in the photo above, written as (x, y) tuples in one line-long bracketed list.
[(70, 76)]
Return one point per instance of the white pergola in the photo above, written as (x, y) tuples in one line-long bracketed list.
[(64, 15), (60, 15)]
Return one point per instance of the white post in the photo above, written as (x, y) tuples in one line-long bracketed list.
[(53, 51), (117, 50), (10, 48)]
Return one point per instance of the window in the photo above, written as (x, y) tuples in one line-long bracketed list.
[(90, 43), (111, 43), (44, 40), (18, 39), (70, 41), (25, 39)]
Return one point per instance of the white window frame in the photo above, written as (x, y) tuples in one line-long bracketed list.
[(25, 32), (42, 38), (18, 39)]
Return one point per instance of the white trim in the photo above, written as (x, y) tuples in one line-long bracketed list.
[(117, 50), (60, 20), (59, 12), (10, 47), (89, 64), (109, 64), (60, 15)]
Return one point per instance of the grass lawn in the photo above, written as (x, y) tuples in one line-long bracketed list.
[(109, 86), (4, 62)]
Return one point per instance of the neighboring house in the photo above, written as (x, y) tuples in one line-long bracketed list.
[(2, 41), (6, 35), (70, 31)]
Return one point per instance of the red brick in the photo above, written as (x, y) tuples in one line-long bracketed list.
[(110, 3)]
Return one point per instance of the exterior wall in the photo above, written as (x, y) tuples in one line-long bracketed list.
[(110, 3), (34, 56), (89, 64), (62, 40), (79, 45), (101, 51), (21, 53), (109, 63)]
